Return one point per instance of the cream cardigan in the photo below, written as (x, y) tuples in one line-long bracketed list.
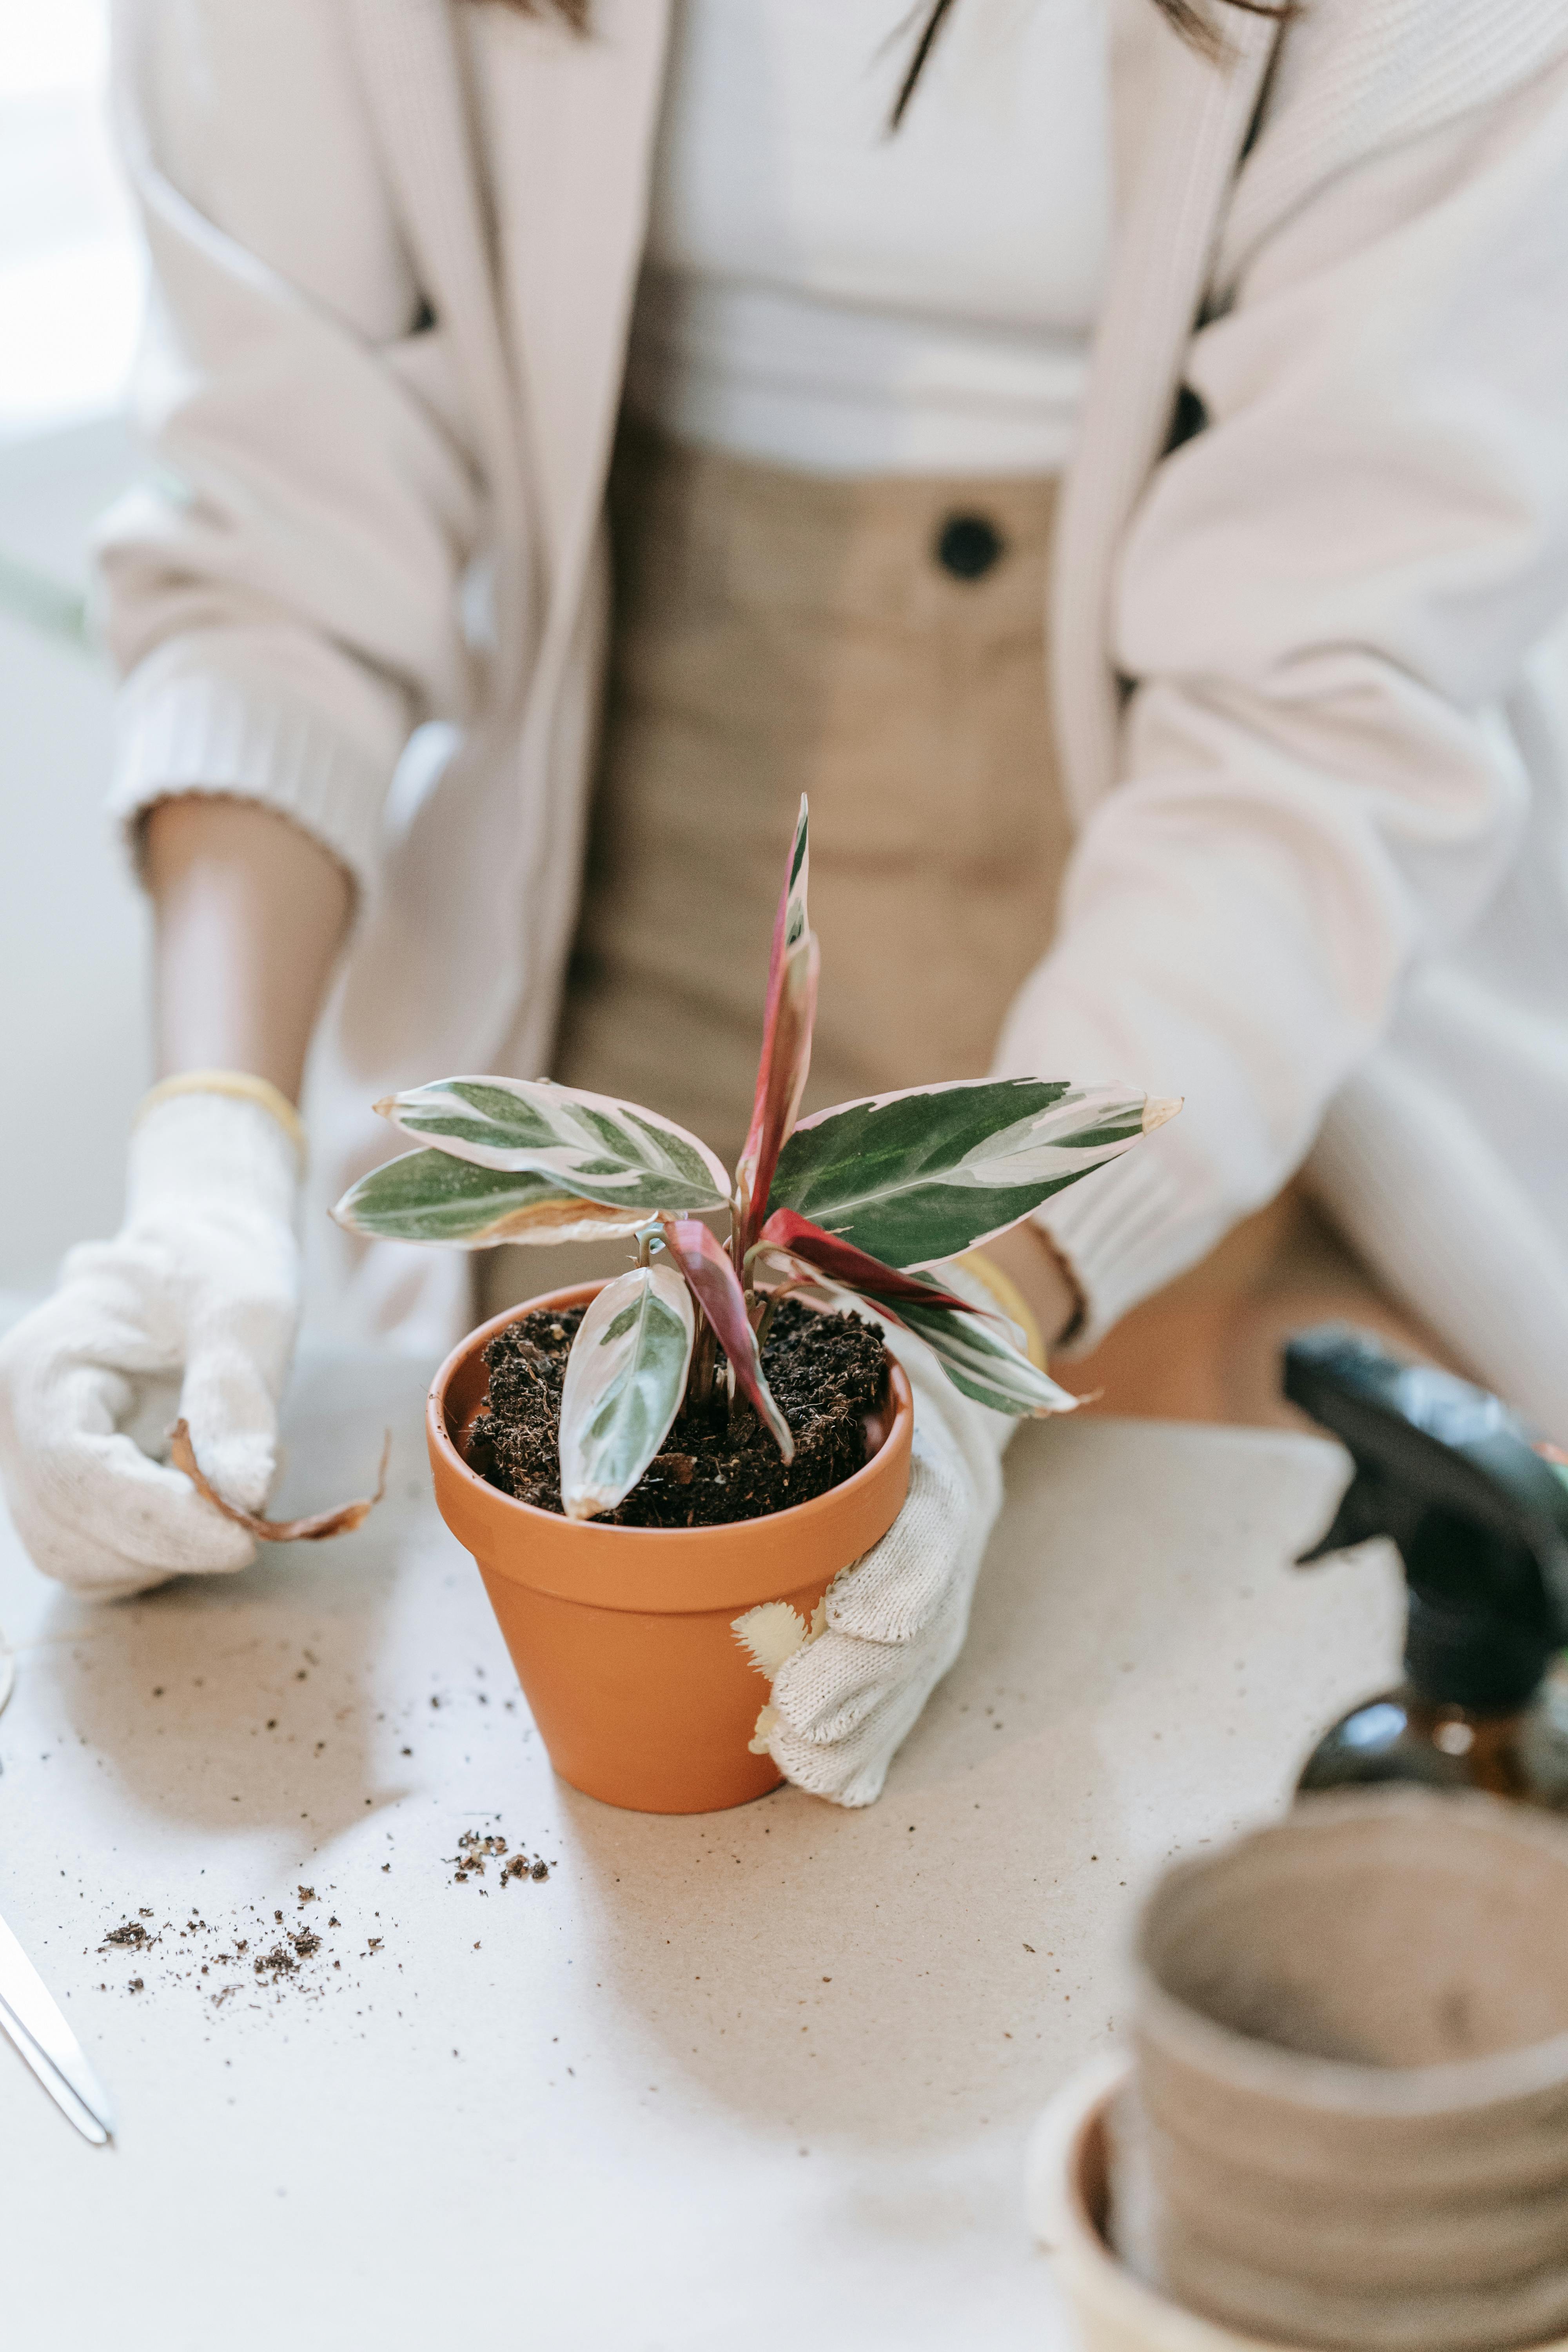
[(1310, 669)]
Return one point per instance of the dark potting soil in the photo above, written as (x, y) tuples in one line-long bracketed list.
[(825, 1371)]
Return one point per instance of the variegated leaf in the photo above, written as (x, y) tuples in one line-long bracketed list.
[(781, 1080), (979, 1360), (917, 1177), (625, 1377), (815, 1252), (716, 1286), (591, 1145), (788, 1018), (426, 1196), (793, 920)]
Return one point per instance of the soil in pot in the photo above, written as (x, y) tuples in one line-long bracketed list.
[(825, 1370)]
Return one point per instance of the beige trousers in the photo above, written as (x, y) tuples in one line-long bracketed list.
[(877, 644)]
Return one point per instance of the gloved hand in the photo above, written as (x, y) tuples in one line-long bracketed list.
[(190, 1311), (894, 1622)]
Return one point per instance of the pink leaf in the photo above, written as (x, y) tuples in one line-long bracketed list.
[(716, 1286), (786, 1038), (855, 1268)]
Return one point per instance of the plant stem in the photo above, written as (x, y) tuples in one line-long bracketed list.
[(704, 1364)]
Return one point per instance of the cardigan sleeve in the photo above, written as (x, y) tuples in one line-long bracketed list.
[(283, 594), (1322, 600)]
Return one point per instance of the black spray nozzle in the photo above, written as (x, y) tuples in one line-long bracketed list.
[(1480, 1519)]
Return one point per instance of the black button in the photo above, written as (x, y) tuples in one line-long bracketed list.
[(969, 545)]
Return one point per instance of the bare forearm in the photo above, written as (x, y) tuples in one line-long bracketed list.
[(250, 913)]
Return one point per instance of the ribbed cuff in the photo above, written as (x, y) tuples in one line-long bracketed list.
[(1124, 1230), (200, 1147), (208, 731), (240, 1086)]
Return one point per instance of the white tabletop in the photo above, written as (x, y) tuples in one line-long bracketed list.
[(762, 2076)]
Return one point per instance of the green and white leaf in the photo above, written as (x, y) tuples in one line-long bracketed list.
[(986, 1366), (796, 922), (427, 1196), (916, 1177), (625, 1377), (592, 1145)]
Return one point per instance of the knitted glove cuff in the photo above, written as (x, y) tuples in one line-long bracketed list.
[(211, 1148)]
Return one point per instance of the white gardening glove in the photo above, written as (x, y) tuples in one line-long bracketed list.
[(894, 1622), (189, 1312)]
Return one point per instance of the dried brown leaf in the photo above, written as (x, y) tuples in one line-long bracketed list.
[(321, 1523)]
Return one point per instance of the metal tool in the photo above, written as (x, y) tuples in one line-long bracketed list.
[(30, 2015)]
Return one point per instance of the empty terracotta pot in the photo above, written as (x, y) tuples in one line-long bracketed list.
[(623, 1638)]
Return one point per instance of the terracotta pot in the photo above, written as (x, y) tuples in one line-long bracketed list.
[(1068, 2195), (623, 1638), (1350, 2124)]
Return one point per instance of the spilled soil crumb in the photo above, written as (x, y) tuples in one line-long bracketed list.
[(194, 1948), (474, 1852), (300, 1962), (825, 1370)]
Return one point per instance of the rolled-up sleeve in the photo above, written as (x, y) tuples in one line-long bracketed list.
[(1323, 601), (282, 595)]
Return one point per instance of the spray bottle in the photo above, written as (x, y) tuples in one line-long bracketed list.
[(1478, 1514)]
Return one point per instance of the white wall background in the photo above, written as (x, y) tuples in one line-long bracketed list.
[(72, 950)]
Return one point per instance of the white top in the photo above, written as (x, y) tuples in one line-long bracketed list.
[(820, 294)]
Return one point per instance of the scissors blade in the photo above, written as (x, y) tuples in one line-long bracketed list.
[(31, 2017)]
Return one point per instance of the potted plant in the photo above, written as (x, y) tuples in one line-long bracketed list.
[(637, 1464)]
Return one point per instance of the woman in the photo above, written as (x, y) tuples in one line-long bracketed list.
[(1306, 725)]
